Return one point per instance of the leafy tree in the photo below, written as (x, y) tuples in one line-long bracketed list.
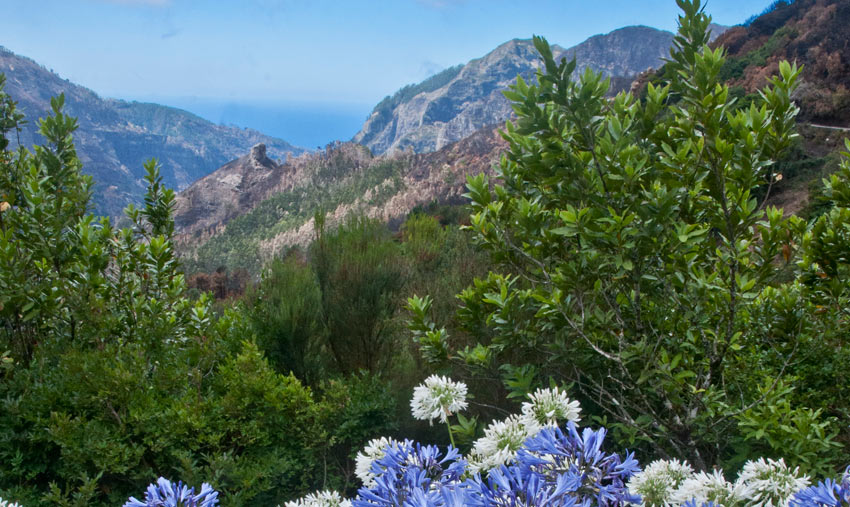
[(110, 375), (359, 270), (285, 312), (639, 266)]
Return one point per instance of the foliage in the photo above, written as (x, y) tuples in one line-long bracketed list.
[(359, 270), (110, 374), (641, 267), (284, 311)]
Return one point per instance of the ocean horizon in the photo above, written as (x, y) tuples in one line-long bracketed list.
[(310, 125)]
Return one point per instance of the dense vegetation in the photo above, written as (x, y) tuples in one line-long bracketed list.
[(625, 255), (642, 267), (112, 375)]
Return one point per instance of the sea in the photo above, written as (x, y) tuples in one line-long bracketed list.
[(310, 125)]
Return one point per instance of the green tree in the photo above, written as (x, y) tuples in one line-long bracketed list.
[(359, 268), (285, 311), (638, 263), (113, 376)]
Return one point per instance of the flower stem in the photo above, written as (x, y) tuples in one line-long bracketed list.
[(451, 436)]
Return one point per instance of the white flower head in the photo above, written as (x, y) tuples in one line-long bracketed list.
[(500, 443), (769, 483), (374, 450), (5, 503), (659, 480), (712, 487), (438, 398), (550, 407), (320, 499)]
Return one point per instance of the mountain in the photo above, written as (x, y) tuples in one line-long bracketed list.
[(460, 100), (816, 35), (115, 137), (253, 209), (813, 33)]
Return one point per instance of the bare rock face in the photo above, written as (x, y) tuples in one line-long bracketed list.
[(472, 98)]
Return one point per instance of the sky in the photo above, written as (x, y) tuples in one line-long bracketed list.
[(336, 57)]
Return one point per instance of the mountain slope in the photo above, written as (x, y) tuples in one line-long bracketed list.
[(460, 100), (115, 137), (813, 33), (247, 212), (816, 35)]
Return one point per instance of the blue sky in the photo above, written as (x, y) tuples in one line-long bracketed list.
[(345, 54)]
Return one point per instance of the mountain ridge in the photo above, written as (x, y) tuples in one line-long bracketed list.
[(472, 98), (115, 136)]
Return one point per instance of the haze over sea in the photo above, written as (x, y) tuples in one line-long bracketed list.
[(310, 125)]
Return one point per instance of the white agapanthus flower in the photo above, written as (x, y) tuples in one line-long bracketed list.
[(320, 499), (5, 503), (374, 450), (657, 482), (438, 398), (769, 483), (550, 407), (500, 443), (709, 487)]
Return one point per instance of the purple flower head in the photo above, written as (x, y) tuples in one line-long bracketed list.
[(415, 475), (828, 493), (167, 494), (578, 465)]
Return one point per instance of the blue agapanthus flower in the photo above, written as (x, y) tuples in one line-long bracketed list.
[(828, 493), (167, 494), (415, 475), (555, 467), (558, 467)]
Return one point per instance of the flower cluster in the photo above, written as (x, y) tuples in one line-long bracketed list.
[(500, 443), (5, 503), (550, 407), (763, 483), (320, 499), (374, 450), (438, 398), (167, 494), (828, 493), (656, 483), (534, 459), (416, 474), (503, 439), (554, 467)]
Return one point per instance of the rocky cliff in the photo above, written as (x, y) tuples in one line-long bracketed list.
[(471, 96), (115, 137)]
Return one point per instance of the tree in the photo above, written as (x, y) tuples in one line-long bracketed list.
[(359, 270), (113, 376), (285, 312), (638, 264)]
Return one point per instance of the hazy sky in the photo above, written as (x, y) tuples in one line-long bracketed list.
[(299, 50)]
